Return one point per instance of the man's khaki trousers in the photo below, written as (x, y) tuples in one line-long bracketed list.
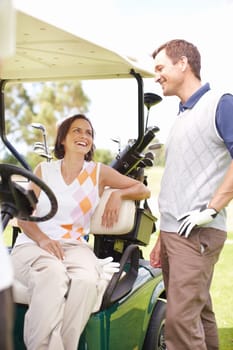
[(188, 265)]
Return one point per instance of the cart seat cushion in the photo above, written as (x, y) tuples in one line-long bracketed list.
[(125, 221)]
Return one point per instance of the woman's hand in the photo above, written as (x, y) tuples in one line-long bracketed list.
[(52, 246), (112, 208)]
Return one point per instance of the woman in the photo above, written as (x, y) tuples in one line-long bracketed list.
[(52, 258)]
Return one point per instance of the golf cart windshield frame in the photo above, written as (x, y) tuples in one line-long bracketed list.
[(134, 149)]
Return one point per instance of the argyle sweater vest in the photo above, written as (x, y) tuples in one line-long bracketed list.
[(196, 162), (76, 202)]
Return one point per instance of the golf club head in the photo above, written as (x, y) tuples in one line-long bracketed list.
[(142, 164), (38, 126), (38, 150), (154, 129), (41, 153), (155, 146), (150, 155), (38, 144), (151, 99), (148, 162)]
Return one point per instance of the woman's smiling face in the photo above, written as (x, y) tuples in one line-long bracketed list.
[(79, 137)]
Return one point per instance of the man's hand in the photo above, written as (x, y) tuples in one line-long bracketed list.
[(195, 218), (155, 260), (109, 267)]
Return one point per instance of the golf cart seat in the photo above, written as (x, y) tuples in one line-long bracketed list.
[(135, 226)]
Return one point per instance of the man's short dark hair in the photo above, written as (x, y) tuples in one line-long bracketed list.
[(177, 48)]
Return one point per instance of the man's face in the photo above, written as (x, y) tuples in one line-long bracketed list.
[(167, 74)]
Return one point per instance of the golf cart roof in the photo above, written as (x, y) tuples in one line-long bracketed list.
[(48, 52)]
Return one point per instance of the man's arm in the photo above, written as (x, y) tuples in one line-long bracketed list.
[(222, 196), (224, 121), (224, 193)]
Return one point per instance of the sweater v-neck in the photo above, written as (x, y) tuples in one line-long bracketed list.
[(75, 179)]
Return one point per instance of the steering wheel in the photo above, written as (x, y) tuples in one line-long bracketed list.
[(16, 201)]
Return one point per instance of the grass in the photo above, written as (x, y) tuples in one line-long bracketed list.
[(221, 289)]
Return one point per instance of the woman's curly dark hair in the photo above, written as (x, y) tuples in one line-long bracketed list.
[(63, 130)]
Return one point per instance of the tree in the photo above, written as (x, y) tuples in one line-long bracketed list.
[(44, 103), (103, 156)]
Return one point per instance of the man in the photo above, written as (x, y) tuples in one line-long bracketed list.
[(7, 47), (196, 187)]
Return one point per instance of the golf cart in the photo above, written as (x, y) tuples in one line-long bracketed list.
[(132, 313)]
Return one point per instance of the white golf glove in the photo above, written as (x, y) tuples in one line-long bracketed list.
[(109, 267), (195, 218)]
